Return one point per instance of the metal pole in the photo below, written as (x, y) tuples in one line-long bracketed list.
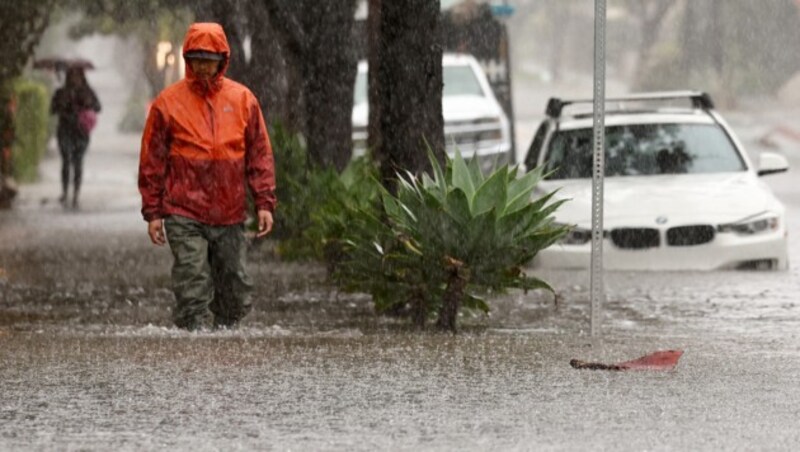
[(596, 285)]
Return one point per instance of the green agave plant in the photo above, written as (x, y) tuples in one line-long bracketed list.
[(441, 242)]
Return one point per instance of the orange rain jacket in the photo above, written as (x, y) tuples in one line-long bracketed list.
[(203, 140)]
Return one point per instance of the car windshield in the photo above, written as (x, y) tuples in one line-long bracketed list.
[(644, 150), (458, 81)]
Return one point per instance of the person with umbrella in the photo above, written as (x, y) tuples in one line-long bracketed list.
[(76, 105)]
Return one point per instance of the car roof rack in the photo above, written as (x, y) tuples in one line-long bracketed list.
[(699, 100)]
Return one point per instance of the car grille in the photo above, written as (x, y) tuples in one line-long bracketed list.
[(635, 238), (690, 235)]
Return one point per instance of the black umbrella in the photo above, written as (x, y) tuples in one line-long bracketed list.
[(62, 64)]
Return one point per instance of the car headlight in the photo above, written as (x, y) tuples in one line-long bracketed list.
[(751, 226), (576, 236)]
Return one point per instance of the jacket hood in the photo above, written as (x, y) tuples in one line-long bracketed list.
[(208, 37)]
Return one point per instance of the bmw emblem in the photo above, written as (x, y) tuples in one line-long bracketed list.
[(661, 220)]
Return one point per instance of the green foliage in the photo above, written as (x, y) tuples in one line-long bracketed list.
[(315, 202), (23, 24), (298, 188), (458, 225), (160, 20), (355, 189), (31, 127)]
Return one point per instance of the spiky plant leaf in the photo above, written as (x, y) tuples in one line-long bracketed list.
[(520, 189), (476, 303), (438, 174), (457, 206), (492, 193), (475, 172), (461, 176), (531, 283), (479, 236)]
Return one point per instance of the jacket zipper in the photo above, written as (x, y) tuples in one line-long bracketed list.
[(213, 124)]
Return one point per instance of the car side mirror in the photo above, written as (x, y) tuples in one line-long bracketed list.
[(771, 163)]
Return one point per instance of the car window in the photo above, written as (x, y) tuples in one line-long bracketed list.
[(645, 149), (460, 81), (532, 159)]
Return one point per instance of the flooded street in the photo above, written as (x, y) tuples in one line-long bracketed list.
[(88, 360)]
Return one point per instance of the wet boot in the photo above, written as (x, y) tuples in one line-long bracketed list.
[(77, 189), (64, 183), (232, 285), (194, 323), (63, 198)]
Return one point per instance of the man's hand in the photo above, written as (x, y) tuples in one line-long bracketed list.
[(264, 223), (155, 229)]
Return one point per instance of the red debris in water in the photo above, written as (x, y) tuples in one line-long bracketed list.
[(660, 360)]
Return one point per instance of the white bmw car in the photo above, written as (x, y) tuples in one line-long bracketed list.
[(679, 190)]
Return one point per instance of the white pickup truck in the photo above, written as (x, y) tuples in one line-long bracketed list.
[(474, 121)]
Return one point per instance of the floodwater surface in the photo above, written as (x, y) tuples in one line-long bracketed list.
[(89, 361)]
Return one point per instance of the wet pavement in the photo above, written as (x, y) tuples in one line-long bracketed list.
[(88, 360)]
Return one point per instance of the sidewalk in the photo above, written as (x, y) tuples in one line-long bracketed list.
[(109, 199)]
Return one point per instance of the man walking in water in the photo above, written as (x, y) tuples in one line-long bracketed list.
[(205, 139)]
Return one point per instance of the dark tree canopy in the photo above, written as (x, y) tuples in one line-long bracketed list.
[(22, 24), (301, 63)]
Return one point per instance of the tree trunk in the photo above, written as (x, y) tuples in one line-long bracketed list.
[(330, 78), (453, 295), (374, 138), (154, 76), (228, 14), (316, 39), (419, 309), (409, 86), (267, 71), (283, 18)]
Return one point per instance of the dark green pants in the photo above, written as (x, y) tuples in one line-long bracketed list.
[(208, 274)]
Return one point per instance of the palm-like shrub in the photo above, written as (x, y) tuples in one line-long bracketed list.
[(298, 187), (442, 242), (355, 189)]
